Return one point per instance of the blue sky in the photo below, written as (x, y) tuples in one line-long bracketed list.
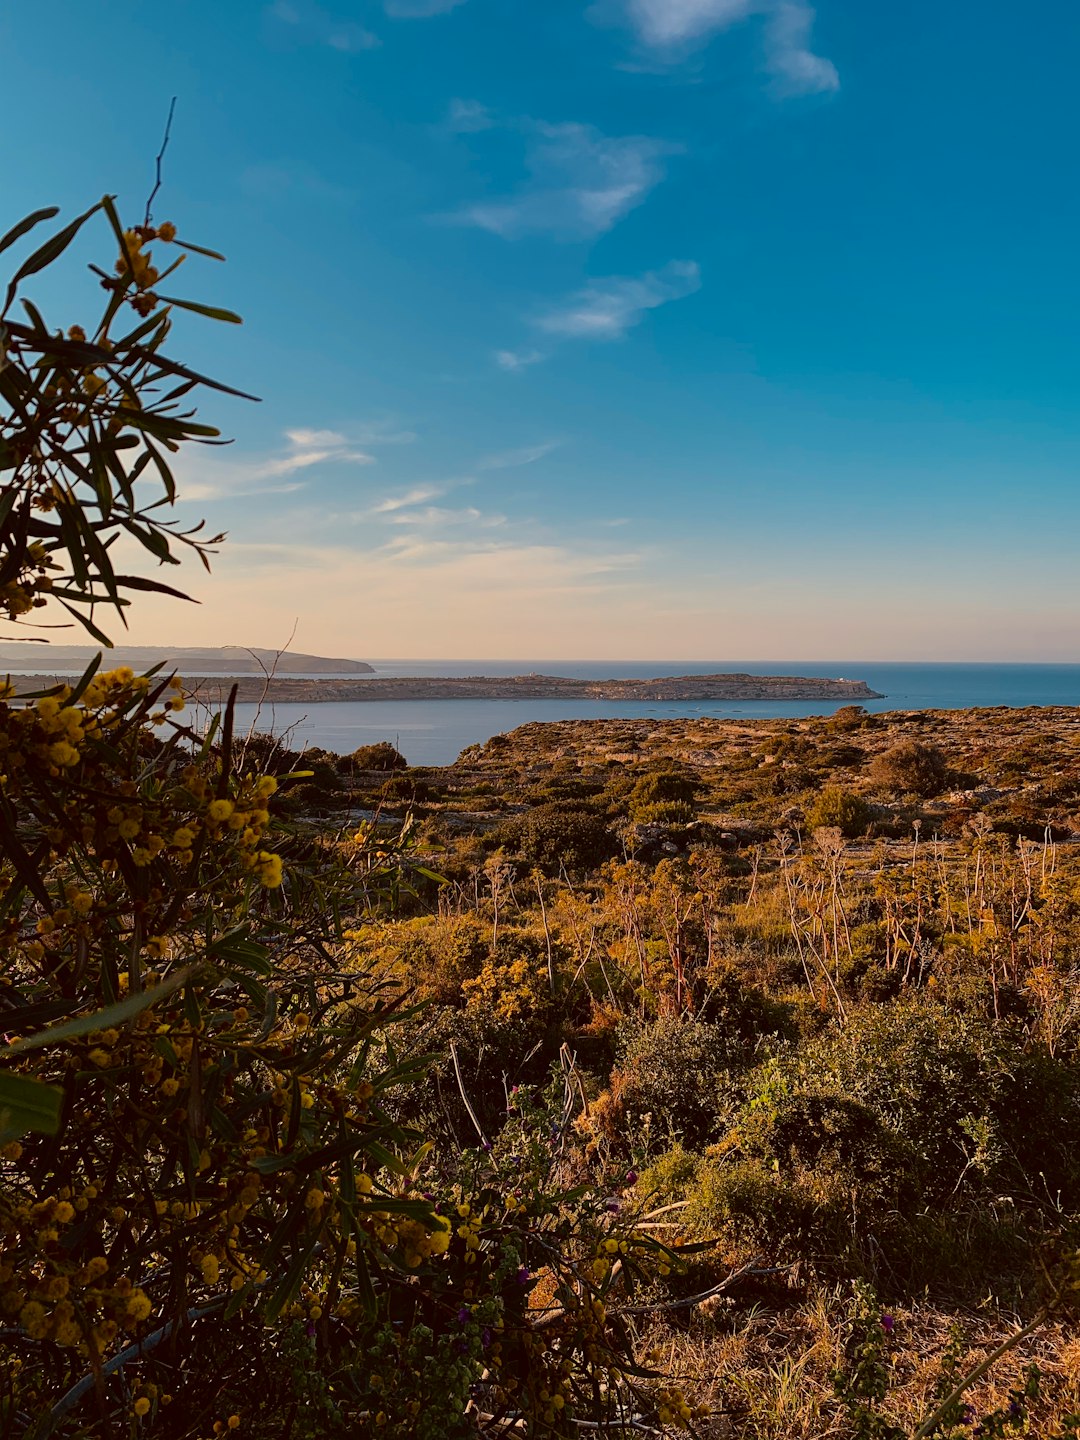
[(626, 329)]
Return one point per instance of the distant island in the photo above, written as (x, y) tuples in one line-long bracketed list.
[(231, 660), (286, 689)]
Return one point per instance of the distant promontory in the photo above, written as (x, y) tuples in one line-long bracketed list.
[(264, 675), (536, 687), (230, 660)]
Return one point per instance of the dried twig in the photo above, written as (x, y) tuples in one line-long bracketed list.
[(160, 158)]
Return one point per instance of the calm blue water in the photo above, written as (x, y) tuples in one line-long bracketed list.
[(434, 732)]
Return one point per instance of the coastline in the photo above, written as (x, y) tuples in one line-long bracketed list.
[(697, 688)]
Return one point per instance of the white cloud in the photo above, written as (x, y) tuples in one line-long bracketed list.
[(416, 496), (674, 24), (672, 29), (607, 309), (582, 182), (515, 360), (315, 26), (797, 69), (511, 459), (212, 477), (468, 117), (419, 9), (439, 516)]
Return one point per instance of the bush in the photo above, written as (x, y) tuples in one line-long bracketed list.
[(670, 1080), (911, 768), (558, 837), (661, 788), (664, 812), (381, 756), (842, 809), (203, 1194), (978, 1107)]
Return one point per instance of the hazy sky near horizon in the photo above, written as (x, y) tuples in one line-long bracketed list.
[(621, 328)]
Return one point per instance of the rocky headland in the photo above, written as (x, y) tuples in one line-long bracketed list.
[(534, 687), (214, 689)]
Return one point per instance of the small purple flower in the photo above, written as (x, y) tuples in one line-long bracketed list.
[(461, 1346), (631, 1177), (523, 1275), (485, 1337), (463, 1314), (967, 1414), (613, 1204), (1014, 1409), (487, 1145), (888, 1324), (310, 1328)]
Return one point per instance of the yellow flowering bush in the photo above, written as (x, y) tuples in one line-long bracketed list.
[(214, 1214)]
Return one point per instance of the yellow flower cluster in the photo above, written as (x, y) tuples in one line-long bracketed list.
[(672, 1407), (137, 263), (29, 588), (63, 734), (415, 1241), (54, 1297)]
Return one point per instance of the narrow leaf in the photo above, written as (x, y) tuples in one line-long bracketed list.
[(27, 1104), (18, 231)]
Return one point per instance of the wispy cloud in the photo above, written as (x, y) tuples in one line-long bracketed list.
[(608, 309), (468, 117), (379, 432), (419, 9), (581, 182), (798, 71), (438, 517), (313, 25), (670, 30), (512, 459), (213, 478), (416, 496), (517, 360)]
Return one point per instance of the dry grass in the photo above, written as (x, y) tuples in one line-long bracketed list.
[(767, 1374)]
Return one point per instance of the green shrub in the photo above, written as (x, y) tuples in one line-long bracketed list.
[(979, 1107), (664, 812), (674, 1071), (380, 756), (662, 787), (842, 809), (911, 768), (759, 1212), (559, 836), (820, 1130)]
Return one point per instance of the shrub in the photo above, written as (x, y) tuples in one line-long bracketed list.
[(380, 756), (202, 1189), (839, 808), (673, 1071), (662, 787), (977, 1106), (664, 812), (911, 768), (559, 836)]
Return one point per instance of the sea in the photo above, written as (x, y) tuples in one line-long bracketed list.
[(434, 732)]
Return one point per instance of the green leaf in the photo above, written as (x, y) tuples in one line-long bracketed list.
[(117, 1014), (239, 949), (210, 311), (18, 231), (53, 248), (27, 1104), (139, 582), (88, 624), (199, 249)]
